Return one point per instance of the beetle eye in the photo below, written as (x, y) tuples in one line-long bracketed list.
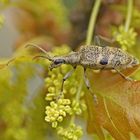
[(58, 61)]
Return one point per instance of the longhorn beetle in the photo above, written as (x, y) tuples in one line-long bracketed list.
[(94, 57)]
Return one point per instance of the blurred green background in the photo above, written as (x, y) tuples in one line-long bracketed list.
[(52, 24)]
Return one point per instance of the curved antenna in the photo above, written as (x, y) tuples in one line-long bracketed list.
[(7, 63), (36, 46), (11, 60), (41, 56)]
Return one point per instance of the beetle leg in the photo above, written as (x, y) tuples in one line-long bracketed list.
[(64, 79), (89, 88), (107, 40), (97, 40), (104, 41), (123, 76)]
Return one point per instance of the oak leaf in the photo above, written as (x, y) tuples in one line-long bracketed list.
[(118, 108)]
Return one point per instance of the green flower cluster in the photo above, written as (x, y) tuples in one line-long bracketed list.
[(73, 132), (70, 104), (125, 39), (14, 112), (57, 111), (78, 107), (54, 80)]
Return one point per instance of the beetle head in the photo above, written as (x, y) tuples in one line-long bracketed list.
[(56, 62)]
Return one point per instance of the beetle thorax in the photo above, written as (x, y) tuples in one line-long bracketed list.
[(72, 58)]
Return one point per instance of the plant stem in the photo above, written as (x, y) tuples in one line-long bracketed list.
[(129, 15), (88, 42), (92, 21), (77, 98)]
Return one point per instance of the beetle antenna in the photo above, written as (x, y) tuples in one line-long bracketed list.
[(35, 57), (36, 46), (11, 60), (7, 63)]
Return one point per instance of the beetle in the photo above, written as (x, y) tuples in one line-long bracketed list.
[(93, 57)]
